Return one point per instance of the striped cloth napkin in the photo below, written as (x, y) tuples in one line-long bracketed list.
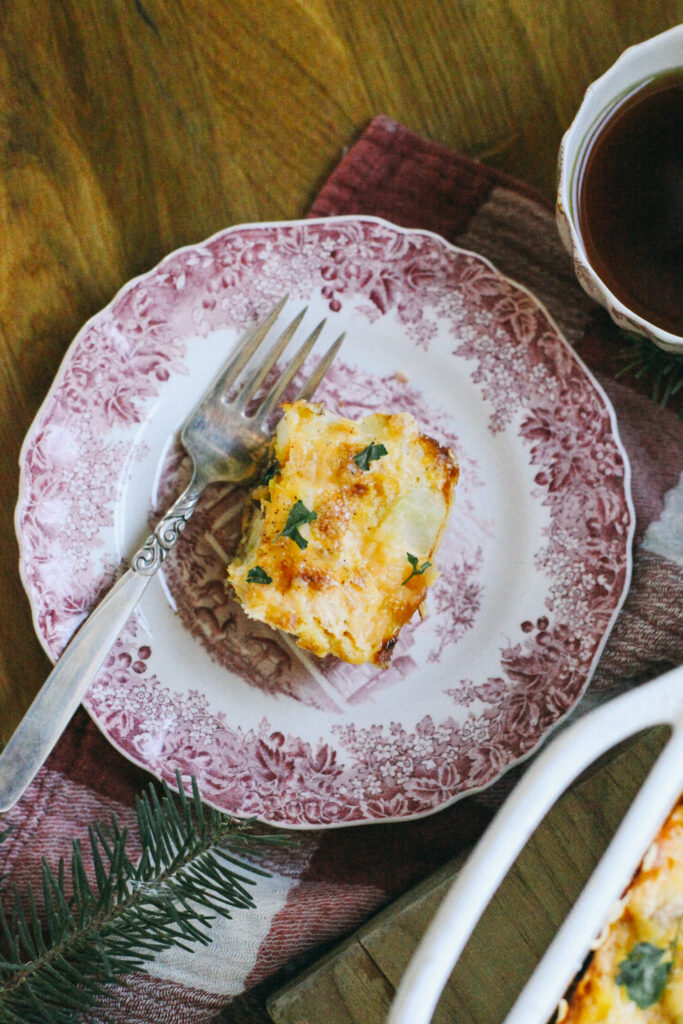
[(333, 880)]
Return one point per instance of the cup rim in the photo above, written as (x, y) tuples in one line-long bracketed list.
[(571, 147)]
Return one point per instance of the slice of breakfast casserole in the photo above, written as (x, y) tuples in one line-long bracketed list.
[(339, 535)]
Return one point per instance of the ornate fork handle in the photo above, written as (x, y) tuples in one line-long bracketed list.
[(148, 559), (84, 655)]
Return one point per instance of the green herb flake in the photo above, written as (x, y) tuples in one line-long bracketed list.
[(258, 575), (645, 972), (369, 454), (415, 571), (272, 470), (298, 516)]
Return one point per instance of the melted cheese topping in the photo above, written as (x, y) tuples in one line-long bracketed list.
[(345, 593), (649, 912)]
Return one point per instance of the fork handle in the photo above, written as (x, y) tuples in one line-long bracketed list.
[(64, 688), (148, 558), (62, 691)]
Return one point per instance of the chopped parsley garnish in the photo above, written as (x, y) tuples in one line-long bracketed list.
[(258, 575), (369, 454), (272, 470), (645, 972), (298, 516), (415, 571)]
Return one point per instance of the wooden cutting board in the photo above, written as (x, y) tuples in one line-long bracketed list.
[(355, 982)]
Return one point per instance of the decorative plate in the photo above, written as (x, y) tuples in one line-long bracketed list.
[(534, 565)]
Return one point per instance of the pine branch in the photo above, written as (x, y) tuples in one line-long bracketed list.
[(642, 358), (4, 833), (190, 870)]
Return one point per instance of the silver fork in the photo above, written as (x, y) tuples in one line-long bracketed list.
[(226, 442)]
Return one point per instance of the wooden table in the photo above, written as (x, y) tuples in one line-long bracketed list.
[(131, 127)]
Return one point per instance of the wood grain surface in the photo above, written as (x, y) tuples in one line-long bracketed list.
[(130, 127)]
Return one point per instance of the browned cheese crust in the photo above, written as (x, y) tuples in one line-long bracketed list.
[(344, 587)]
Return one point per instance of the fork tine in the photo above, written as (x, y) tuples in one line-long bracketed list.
[(311, 385), (260, 374), (245, 351), (283, 382)]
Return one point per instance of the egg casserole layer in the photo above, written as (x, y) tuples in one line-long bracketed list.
[(625, 980), (339, 538)]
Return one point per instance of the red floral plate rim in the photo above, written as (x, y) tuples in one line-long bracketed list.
[(534, 566)]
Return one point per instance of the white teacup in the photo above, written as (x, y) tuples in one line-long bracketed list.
[(637, 64)]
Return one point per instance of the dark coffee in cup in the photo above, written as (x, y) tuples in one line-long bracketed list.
[(629, 199)]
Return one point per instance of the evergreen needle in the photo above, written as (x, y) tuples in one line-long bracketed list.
[(642, 358), (55, 966)]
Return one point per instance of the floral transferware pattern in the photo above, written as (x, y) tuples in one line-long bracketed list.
[(534, 565)]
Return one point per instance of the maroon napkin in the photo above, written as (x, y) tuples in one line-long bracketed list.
[(333, 880)]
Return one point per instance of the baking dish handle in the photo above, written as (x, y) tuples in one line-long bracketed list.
[(655, 703)]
